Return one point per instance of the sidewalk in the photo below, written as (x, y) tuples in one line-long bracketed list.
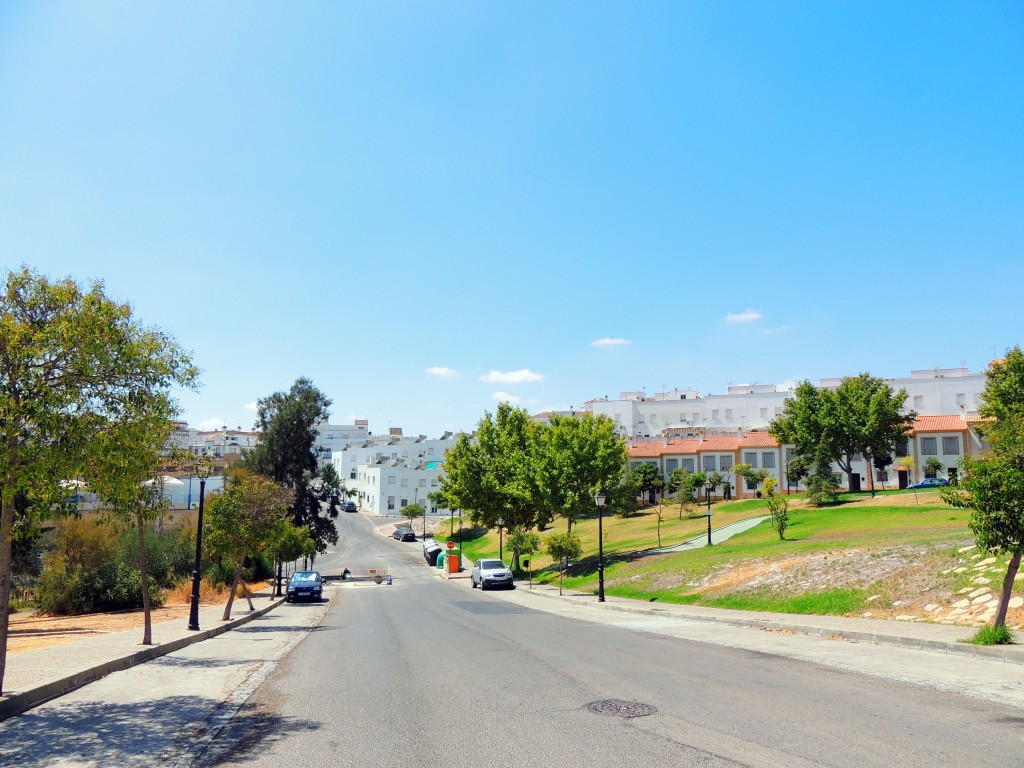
[(35, 676), (905, 634)]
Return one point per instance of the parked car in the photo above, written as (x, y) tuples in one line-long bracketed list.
[(399, 531), (488, 573), (407, 534), (348, 506), (930, 482), (304, 585)]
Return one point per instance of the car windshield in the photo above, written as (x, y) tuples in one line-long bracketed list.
[(491, 565), (306, 576)]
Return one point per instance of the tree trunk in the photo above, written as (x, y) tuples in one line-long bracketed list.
[(147, 627), (6, 564), (1004, 596), (248, 595), (560, 572), (234, 587)]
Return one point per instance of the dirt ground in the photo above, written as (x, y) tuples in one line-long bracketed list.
[(28, 631)]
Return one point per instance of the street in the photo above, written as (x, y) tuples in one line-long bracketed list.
[(427, 672)]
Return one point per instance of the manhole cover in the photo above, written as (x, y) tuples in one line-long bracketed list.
[(619, 708)]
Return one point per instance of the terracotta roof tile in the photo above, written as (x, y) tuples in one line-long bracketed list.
[(681, 448), (719, 444), (646, 451), (758, 440), (939, 424)]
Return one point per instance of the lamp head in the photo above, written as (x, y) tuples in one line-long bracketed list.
[(600, 497), (203, 467)]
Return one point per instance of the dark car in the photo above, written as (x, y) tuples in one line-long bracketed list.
[(304, 585), (930, 482), (407, 535), (400, 531), (348, 506)]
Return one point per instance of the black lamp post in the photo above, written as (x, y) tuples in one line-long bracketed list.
[(202, 468), (599, 499), (500, 521), (708, 487)]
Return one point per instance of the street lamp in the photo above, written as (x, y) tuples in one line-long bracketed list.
[(500, 521), (203, 468), (708, 488), (599, 499)]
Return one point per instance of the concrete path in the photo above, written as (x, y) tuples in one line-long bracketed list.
[(718, 535)]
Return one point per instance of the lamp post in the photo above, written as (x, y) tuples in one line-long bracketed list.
[(708, 487), (599, 499), (500, 521), (202, 468), (871, 470)]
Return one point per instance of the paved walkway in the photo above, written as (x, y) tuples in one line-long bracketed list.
[(35, 676)]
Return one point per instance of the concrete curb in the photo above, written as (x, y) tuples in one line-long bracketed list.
[(1012, 654), (15, 704)]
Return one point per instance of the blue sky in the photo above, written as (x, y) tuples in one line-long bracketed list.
[(428, 207)]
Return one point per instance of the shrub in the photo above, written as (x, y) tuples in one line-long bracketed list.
[(170, 556), (112, 587), (998, 635)]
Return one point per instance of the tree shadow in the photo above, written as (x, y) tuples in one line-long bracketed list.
[(123, 735)]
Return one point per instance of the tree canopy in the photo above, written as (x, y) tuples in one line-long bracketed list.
[(76, 367), (862, 415), (286, 422)]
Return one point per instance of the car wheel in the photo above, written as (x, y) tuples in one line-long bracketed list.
[(472, 582), (482, 587)]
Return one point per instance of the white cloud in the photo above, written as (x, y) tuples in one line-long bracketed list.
[(209, 425), (505, 397), (251, 406), (607, 342), (511, 377), (442, 373), (745, 316)]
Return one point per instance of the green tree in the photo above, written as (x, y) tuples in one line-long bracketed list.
[(289, 542), (573, 459), (993, 484), (933, 466), (862, 414), (563, 547), (523, 543), (777, 505), (821, 483), (491, 476), (750, 475), (680, 482), (649, 477), (286, 422), (74, 365), (413, 512), (245, 518)]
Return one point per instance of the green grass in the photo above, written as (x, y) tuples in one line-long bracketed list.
[(992, 636)]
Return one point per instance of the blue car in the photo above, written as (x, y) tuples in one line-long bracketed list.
[(304, 585), (930, 482)]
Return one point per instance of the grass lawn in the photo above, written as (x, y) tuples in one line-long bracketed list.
[(893, 519)]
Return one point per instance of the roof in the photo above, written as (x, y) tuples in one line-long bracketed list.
[(719, 444), (939, 424), (758, 440), (646, 450)]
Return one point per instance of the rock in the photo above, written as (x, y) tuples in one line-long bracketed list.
[(1016, 602), (961, 569), (898, 602), (872, 598), (932, 607), (987, 561), (975, 557), (961, 603), (965, 590), (981, 580), (867, 615), (906, 617), (948, 570), (981, 599), (966, 549), (958, 611), (979, 592)]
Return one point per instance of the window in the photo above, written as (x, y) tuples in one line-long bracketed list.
[(919, 401), (928, 446), (764, 413), (778, 410), (714, 413), (709, 463), (391, 480), (403, 504), (951, 446), (750, 457), (696, 417), (688, 465), (728, 413), (881, 475), (405, 482), (430, 451), (725, 462), (902, 447), (423, 483), (768, 460), (751, 485), (670, 465), (961, 398)]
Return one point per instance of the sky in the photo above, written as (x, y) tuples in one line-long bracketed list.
[(428, 208)]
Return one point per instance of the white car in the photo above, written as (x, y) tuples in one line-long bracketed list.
[(488, 573)]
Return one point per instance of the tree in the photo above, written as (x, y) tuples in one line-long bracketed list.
[(862, 414), (288, 543), (413, 512), (680, 482), (573, 459), (522, 542), (753, 477), (286, 422), (491, 476), (245, 518), (993, 484), (933, 466), (74, 365), (563, 547), (797, 469), (822, 488), (777, 505), (649, 477)]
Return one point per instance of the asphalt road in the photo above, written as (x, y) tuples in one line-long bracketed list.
[(431, 673)]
